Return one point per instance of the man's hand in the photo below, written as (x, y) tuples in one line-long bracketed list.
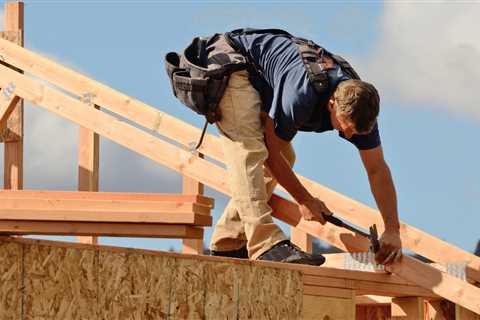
[(314, 209), (390, 248)]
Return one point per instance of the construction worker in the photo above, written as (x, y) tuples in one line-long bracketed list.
[(290, 85)]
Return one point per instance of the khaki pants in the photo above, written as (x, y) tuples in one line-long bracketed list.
[(247, 218)]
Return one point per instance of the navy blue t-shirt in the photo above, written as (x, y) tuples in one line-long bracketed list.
[(287, 94)]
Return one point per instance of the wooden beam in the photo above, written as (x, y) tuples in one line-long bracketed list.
[(83, 215), (192, 186), (181, 132), (142, 230), (88, 165), (166, 207), (443, 284), (388, 288), (409, 308), (12, 136), (373, 299), (110, 196)]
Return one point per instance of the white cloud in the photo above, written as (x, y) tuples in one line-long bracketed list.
[(429, 54)]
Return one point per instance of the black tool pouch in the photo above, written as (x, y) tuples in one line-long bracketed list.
[(199, 76), (193, 87)]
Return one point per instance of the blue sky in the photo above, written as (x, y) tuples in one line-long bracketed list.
[(417, 55)]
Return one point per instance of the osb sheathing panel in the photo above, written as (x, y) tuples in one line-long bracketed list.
[(69, 281), (134, 286), (60, 283), (266, 293), (10, 280)]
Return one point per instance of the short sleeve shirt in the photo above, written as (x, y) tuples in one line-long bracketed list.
[(288, 97)]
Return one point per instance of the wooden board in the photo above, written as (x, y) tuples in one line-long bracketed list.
[(143, 230), (105, 216), (127, 196), (408, 308), (328, 308), (168, 207)]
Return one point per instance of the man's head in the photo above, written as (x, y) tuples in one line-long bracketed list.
[(354, 107)]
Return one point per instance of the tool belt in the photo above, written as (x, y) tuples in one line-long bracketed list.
[(200, 75)]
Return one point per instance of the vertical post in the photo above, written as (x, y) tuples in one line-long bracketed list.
[(13, 135), (408, 308), (191, 186), (88, 164), (302, 239)]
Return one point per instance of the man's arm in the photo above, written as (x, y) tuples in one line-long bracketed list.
[(383, 189), (310, 207)]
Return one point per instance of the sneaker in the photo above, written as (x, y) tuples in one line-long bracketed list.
[(285, 251), (241, 253)]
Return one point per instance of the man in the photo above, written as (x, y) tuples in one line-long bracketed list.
[(262, 109)]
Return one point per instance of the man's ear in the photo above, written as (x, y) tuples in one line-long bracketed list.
[(331, 103)]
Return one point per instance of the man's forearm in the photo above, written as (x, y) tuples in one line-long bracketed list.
[(383, 190), (284, 174)]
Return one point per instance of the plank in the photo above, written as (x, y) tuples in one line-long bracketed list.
[(328, 308), (150, 230), (181, 132), (105, 216), (449, 287), (192, 186), (88, 165), (369, 287), (111, 196), (167, 207), (328, 292), (407, 308), (12, 135)]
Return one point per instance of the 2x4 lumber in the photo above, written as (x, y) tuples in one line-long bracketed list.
[(110, 196), (159, 151), (408, 308), (88, 165), (373, 299), (192, 186), (368, 287), (328, 292), (179, 131), (443, 284), (13, 135), (165, 207), (100, 229), (83, 215)]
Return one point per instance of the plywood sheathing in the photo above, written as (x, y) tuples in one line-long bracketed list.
[(60, 283), (134, 286), (10, 280), (74, 281)]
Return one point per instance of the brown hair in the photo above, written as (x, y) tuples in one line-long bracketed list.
[(359, 102)]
